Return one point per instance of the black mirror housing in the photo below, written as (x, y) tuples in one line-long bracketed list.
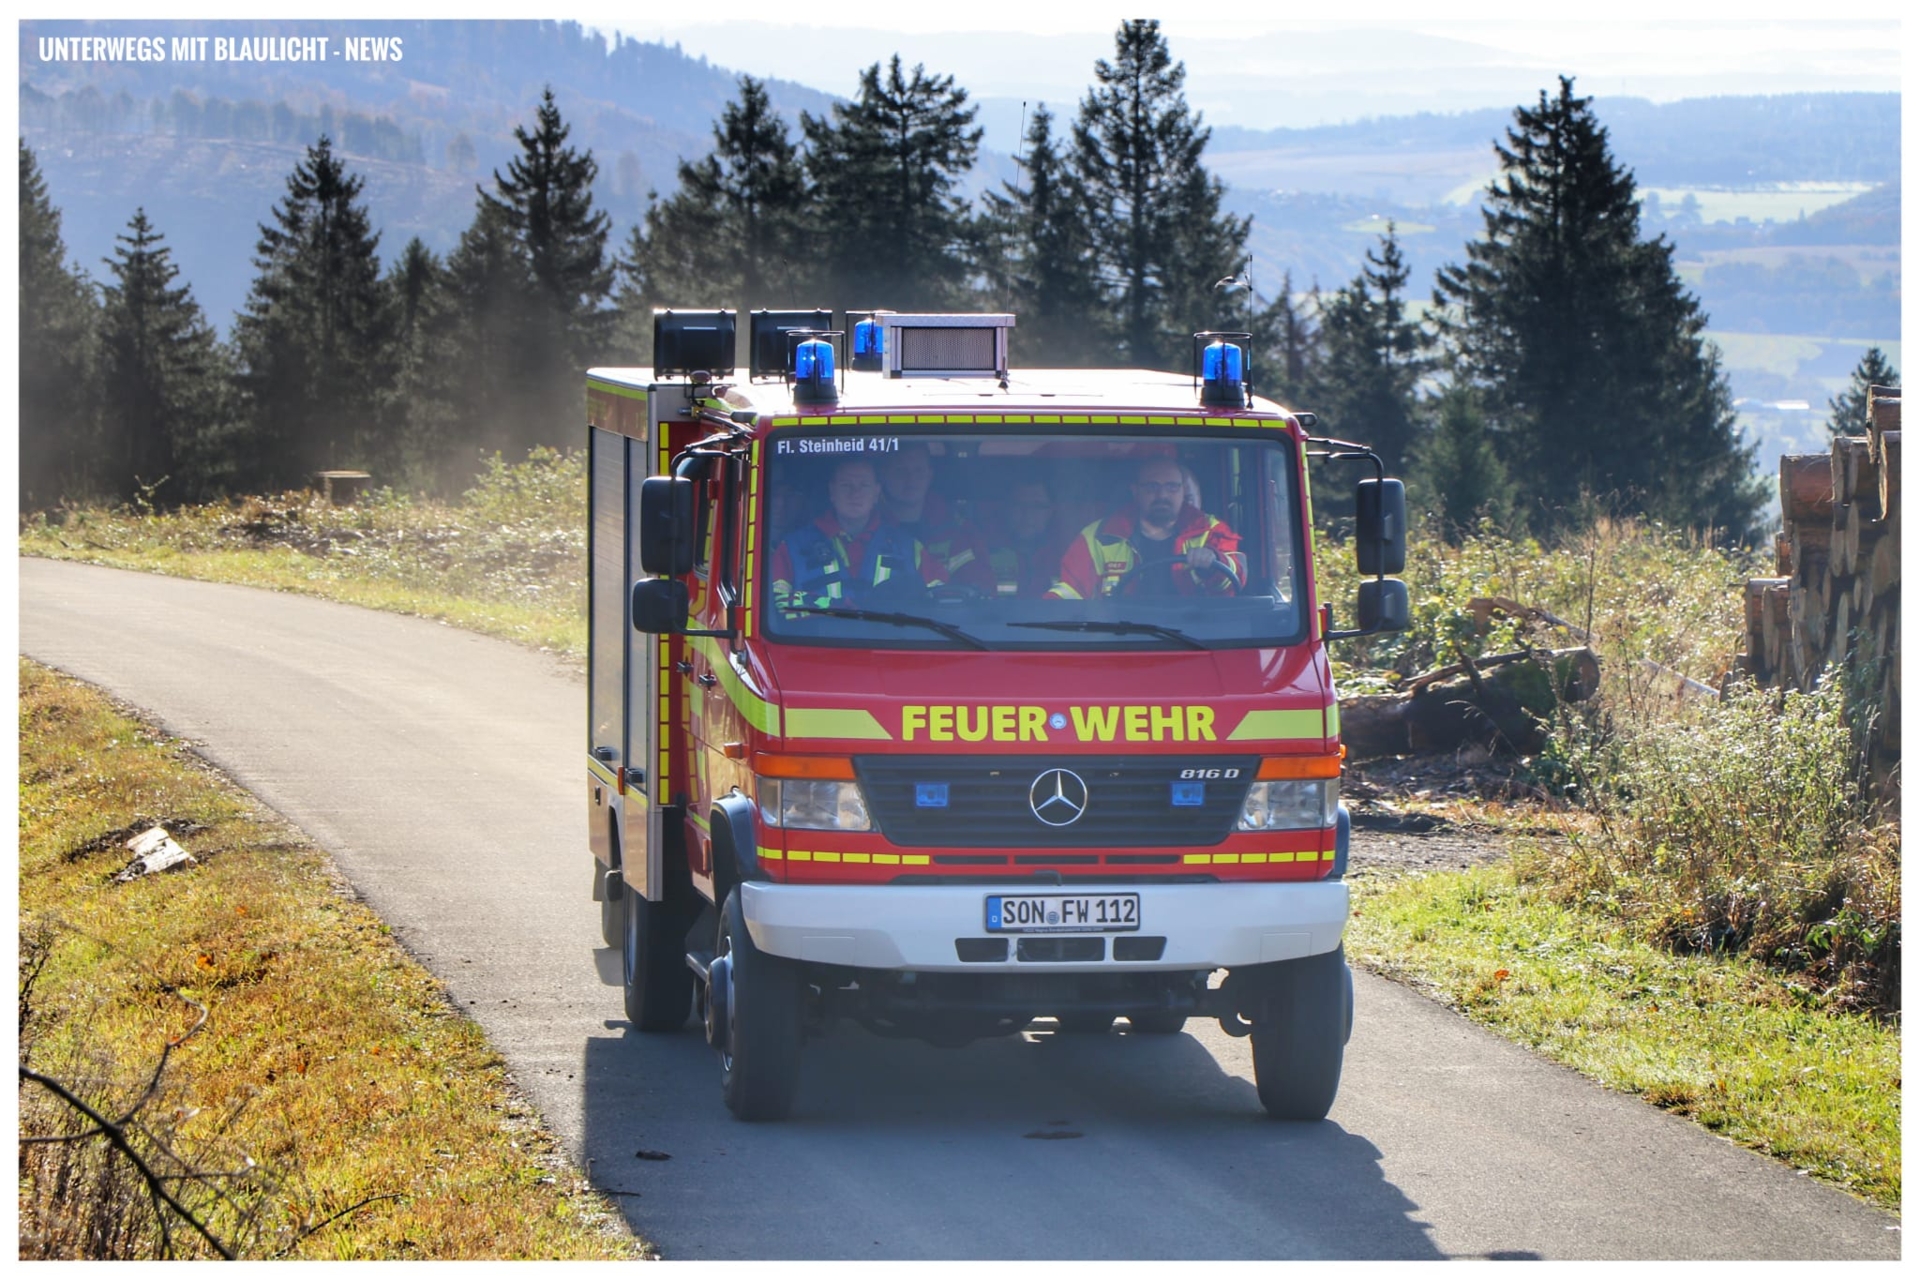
[(666, 526), (659, 606), (1383, 605), (1380, 526)]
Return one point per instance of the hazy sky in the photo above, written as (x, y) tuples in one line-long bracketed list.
[(1250, 65)]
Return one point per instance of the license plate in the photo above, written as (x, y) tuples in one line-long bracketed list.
[(1063, 913)]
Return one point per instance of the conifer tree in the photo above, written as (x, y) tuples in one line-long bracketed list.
[(1588, 349), (501, 385), (1372, 358), (1455, 471), (1159, 235), (425, 414), (884, 169), (545, 202), (57, 335), (1287, 345), (1037, 256), (316, 338), (1847, 412), (734, 233), (164, 378)]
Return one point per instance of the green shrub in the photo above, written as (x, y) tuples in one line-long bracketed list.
[(1743, 828)]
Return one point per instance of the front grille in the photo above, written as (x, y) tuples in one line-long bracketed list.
[(1129, 800)]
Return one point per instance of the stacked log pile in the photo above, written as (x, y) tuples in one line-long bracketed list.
[(1833, 605)]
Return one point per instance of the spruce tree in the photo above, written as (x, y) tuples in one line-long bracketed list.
[(885, 168), (1037, 256), (1287, 345), (545, 201), (734, 233), (1588, 349), (1365, 385), (57, 336), (1847, 412), (1455, 472), (164, 378), (1159, 235), (316, 338), (501, 386), (425, 414)]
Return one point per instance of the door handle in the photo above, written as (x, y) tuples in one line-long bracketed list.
[(684, 667), (606, 755), (708, 679)]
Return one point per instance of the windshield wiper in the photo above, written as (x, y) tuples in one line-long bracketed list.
[(1117, 628), (897, 619)]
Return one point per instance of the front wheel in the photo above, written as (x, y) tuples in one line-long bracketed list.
[(1300, 1034), (653, 955), (759, 996)]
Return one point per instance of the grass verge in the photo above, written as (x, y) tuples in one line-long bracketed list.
[(508, 559), (1724, 1040), (330, 1070)]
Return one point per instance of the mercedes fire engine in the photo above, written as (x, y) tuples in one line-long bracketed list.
[(948, 697)]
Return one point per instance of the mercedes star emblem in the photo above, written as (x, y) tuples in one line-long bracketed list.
[(1058, 797)]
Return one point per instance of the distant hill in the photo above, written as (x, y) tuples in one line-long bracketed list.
[(1724, 141), (206, 146)]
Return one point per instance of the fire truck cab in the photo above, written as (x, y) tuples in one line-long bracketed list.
[(945, 697)]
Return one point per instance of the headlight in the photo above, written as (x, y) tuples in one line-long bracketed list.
[(1295, 804), (814, 806)]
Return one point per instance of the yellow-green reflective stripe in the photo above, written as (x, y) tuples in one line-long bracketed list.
[(1333, 720), (759, 713), (694, 816), (768, 855), (875, 859), (615, 389), (834, 722), (603, 773), (1280, 726), (1307, 855)]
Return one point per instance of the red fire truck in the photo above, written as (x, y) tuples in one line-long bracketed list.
[(947, 697)]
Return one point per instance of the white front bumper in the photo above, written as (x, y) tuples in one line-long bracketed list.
[(1207, 926)]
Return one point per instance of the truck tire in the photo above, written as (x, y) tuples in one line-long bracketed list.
[(1158, 1024), (653, 954), (760, 1062), (613, 919), (1300, 1037)]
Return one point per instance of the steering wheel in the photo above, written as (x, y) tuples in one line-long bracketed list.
[(1128, 578)]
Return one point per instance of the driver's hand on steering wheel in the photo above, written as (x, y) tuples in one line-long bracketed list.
[(1201, 559)]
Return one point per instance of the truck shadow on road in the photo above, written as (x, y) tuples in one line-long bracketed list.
[(1041, 1145)]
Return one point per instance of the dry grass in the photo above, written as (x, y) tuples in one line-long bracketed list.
[(508, 559), (330, 1072)]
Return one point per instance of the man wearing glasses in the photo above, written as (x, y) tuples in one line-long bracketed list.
[(1161, 544), (851, 554)]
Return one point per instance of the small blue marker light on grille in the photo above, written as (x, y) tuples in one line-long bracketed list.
[(1188, 795), (930, 795)]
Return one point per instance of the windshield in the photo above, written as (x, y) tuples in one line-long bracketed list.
[(1021, 541)]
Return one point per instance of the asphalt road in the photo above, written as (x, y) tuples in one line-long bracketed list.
[(442, 770)]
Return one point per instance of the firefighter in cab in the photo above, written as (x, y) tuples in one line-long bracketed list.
[(851, 555), (1161, 544)]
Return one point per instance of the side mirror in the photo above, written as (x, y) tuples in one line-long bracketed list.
[(659, 605), (666, 526), (1382, 605), (1380, 526)]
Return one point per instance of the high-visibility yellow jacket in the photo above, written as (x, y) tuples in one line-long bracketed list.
[(1104, 553)]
